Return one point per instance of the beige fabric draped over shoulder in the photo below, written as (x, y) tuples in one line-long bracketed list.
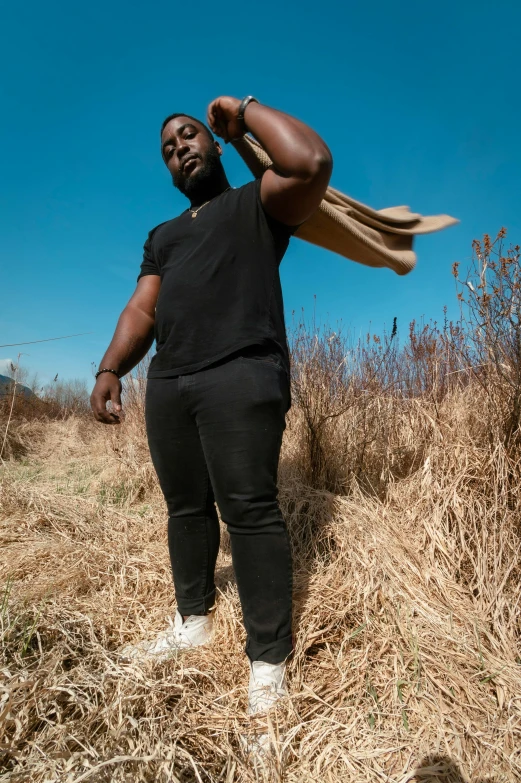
[(377, 238)]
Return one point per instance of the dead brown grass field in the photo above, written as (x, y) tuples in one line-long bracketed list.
[(404, 512), (407, 621)]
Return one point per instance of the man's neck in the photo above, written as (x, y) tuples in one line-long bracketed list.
[(210, 191)]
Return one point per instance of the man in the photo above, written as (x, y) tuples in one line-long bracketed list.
[(218, 386)]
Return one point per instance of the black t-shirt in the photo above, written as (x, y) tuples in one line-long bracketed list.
[(220, 286)]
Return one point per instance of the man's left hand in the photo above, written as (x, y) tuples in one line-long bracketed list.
[(222, 118)]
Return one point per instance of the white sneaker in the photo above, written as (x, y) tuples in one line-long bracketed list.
[(267, 686), (182, 635)]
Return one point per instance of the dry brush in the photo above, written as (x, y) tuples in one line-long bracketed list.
[(399, 481)]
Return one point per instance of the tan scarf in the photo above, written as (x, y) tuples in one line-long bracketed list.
[(378, 238)]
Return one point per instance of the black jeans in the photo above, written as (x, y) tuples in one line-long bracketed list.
[(215, 435)]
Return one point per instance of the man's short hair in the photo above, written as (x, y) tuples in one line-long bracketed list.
[(189, 116)]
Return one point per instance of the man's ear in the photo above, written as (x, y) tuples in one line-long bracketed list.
[(218, 147)]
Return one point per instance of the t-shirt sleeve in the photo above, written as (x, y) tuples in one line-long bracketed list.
[(279, 230), (149, 265)]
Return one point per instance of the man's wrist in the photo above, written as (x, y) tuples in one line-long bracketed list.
[(243, 106), (110, 370)]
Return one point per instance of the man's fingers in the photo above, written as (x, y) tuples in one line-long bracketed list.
[(107, 417), (216, 121), (221, 116), (101, 413), (116, 400), (211, 117)]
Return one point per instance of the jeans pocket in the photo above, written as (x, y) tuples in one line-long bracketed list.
[(271, 362)]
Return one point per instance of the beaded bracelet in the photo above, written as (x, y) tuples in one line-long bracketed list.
[(106, 369)]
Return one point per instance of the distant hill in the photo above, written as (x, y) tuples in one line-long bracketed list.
[(6, 388)]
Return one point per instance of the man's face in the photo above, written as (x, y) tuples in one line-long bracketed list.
[(190, 154)]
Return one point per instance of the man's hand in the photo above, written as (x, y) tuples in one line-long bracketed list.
[(222, 118), (293, 187), (108, 387)]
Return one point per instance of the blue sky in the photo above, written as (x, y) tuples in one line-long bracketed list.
[(418, 102)]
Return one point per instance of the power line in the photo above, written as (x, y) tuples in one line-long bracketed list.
[(48, 340)]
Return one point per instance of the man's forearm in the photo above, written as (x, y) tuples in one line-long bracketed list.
[(131, 342), (295, 149)]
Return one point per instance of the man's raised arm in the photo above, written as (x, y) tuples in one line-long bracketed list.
[(292, 190), (132, 339)]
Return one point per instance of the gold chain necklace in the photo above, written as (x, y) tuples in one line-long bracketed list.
[(195, 211)]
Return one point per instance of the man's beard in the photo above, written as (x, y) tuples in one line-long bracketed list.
[(203, 181)]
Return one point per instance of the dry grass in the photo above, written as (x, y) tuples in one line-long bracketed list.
[(407, 644), (404, 512)]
